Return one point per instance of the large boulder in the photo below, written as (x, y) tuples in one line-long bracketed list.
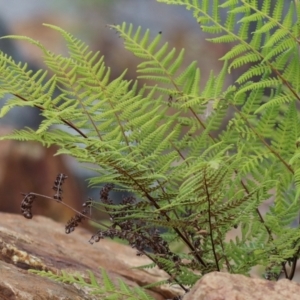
[(224, 286)]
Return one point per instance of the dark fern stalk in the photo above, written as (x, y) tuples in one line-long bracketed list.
[(136, 232), (29, 198), (210, 221)]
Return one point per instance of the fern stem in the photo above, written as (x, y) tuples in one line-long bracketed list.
[(225, 257), (91, 120), (63, 120), (245, 43), (169, 273), (294, 264), (71, 208), (267, 16), (71, 85), (263, 141), (155, 204), (201, 123), (210, 222), (285, 82), (185, 239), (267, 228)]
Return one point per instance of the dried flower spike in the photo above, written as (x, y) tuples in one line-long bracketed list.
[(26, 205), (58, 186), (104, 193), (74, 221)]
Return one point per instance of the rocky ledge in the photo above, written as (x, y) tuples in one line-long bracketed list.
[(41, 244)]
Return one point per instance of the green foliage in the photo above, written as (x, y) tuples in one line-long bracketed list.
[(194, 175), (107, 289)]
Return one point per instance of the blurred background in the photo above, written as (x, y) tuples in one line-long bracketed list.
[(27, 167)]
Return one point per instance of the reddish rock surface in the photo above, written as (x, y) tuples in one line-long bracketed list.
[(41, 243)]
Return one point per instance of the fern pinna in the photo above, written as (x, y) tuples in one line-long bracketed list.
[(106, 289), (191, 176)]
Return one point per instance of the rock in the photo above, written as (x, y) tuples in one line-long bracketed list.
[(40, 243), (224, 286)]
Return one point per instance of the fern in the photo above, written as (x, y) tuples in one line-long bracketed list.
[(107, 289), (198, 176)]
